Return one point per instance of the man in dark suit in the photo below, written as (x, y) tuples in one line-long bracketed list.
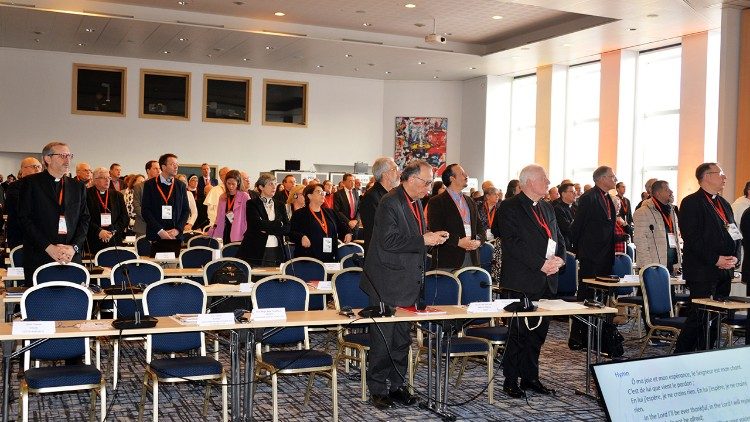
[(564, 211), (288, 183), (593, 236), (345, 202), (626, 211), (13, 230), (455, 213), (267, 224), (165, 207), (114, 175), (392, 275), (533, 252), (386, 178), (711, 250), (205, 180), (109, 217), (53, 213)]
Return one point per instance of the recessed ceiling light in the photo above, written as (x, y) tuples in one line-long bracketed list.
[(387, 72), (207, 55), (356, 69), (410, 5), (217, 49), (652, 15), (182, 3), (167, 52), (497, 17), (319, 66), (245, 59), (632, 29), (371, 64), (38, 32), (89, 30), (280, 14), (268, 47), (182, 39), (80, 44), (360, 11), (367, 24), (238, 3), (472, 68), (419, 25), (347, 55), (436, 77), (36, 40), (420, 62)]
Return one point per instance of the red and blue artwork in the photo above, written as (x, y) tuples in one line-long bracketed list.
[(422, 137)]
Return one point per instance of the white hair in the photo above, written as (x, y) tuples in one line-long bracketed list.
[(100, 170), (529, 173)]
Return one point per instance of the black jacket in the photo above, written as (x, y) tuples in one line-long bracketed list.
[(442, 214), (367, 208), (120, 219), (259, 228), (593, 233)]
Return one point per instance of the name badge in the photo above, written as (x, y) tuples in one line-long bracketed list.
[(551, 248), (489, 235), (166, 212), (734, 232), (467, 229), (327, 245), (672, 239), (62, 226), (106, 220), (230, 216)]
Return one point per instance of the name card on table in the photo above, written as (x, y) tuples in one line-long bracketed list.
[(130, 240), (480, 307), (268, 314), (33, 327), (15, 272), (221, 318), (332, 266), (631, 277), (322, 285), (164, 255), (246, 287)]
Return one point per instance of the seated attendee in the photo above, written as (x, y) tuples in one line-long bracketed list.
[(295, 200), (109, 216), (267, 224), (191, 204), (231, 216), (315, 229)]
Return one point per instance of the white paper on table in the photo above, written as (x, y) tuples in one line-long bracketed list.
[(164, 255), (221, 318), (631, 277), (482, 307), (502, 303), (15, 272), (216, 288), (324, 285), (246, 287), (33, 327), (558, 305), (268, 314), (332, 266)]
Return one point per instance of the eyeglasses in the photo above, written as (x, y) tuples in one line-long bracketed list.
[(320, 192), (426, 182), (33, 166), (720, 173), (69, 156), (102, 177)]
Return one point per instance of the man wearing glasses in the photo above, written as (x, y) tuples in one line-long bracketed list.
[(53, 213), (386, 178), (14, 234), (710, 252)]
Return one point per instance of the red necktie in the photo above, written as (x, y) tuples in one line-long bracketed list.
[(351, 205)]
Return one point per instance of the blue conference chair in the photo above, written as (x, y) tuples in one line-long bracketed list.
[(16, 256), (476, 286), (53, 271), (142, 246), (567, 280), (352, 260), (307, 269), (109, 257), (625, 297), (60, 301), (230, 271), (206, 241), (196, 257), (230, 249), (291, 293), (170, 297), (345, 249), (485, 256), (657, 304)]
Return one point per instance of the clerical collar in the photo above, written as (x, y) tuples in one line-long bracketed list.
[(266, 200), (102, 192), (165, 181)]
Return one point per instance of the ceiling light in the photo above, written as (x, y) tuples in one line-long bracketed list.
[(319, 66), (182, 39), (245, 59), (89, 30), (652, 15), (567, 45), (367, 24), (347, 55), (497, 17), (419, 25), (356, 69), (280, 14), (410, 5), (360, 11), (371, 64), (436, 77), (80, 44), (632, 29), (420, 62), (207, 55), (268, 47), (514, 57), (182, 3), (525, 48), (472, 68), (38, 32), (167, 52), (387, 72), (238, 3)]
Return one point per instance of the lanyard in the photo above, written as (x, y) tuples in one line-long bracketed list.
[(624, 206), (459, 205), (490, 215), (719, 210), (165, 198), (540, 220), (106, 201), (414, 210), (323, 223), (606, 205), (230, 201), (667, 220)]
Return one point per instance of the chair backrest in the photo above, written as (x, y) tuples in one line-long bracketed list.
[(630, 251), (53, 271), (352, 260), (133, 272), (567, 280), (345, 249), (206, 241), (16, 256), (476, 285), (285, 291), (346, 290), (307, 269), (57, 301), (169, 297), (235, 268), (622, 266), (485, 256), (196, 257), (230, 249), (441, 288), (142, 246), (109, 257), (657, 297)]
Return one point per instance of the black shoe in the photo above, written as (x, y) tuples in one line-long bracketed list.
[(402, 396), (574, 344), (536, 386), (512, 390), (382, 401)]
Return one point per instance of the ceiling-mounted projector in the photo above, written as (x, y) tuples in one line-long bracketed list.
[(435, 39)]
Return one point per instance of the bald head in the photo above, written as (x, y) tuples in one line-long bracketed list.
[(223, 173), (30, 165)]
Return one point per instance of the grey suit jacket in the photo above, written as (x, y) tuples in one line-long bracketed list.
[(139, 227)]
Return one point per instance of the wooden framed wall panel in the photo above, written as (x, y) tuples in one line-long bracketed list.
[(226, 99), (99, 90), (284, 103), (165, 94)]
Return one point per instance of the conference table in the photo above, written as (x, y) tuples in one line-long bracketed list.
[(245, 333), (720, 308)]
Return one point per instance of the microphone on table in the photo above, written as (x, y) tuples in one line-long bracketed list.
[(374, 311)]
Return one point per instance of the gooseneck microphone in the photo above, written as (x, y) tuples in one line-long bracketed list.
[(373, 311), (653, 237)]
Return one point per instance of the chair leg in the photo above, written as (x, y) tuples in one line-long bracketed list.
[(103, 399), (207, 398), (461, 371), (490, 372), (274, 397), (363, 373), (143, 398), (216, 349), (645, 342), (334, 395), (155, 397), (115, 362), (224, 399), (92, 407), (23, 408), (310, 380)]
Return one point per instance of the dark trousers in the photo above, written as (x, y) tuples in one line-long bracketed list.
[(523, 346), (693, 335), (382, 367), (578, 330)]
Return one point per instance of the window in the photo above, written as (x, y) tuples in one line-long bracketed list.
[(582, 121), (656, 146), (522, 124)]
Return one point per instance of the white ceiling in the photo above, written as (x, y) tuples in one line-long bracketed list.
[(328, 36)]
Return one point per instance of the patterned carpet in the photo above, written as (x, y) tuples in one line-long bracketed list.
[(561, 369)]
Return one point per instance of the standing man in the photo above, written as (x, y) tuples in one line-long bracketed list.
[(646, 185), (712, 242), (83, 174), (626, 211), (165, 207), (14, 232), (386, 175), (114, 174), (456, 213), (533, 252), (288, 183), (392, 275), (564, 212), (345, 202), (205, 182), (109, 217), (593, 236), (152, 172), (53, 213), (267, 224), (657, 234)]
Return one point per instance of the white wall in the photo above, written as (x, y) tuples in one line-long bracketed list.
[(345, 117), (423, 99)]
